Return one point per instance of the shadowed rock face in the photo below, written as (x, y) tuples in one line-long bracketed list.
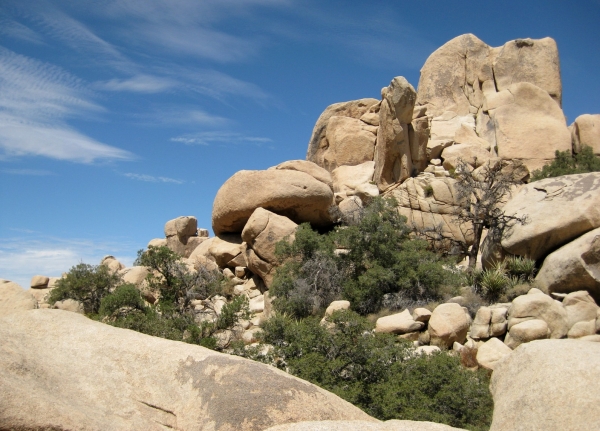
[(63, 371)]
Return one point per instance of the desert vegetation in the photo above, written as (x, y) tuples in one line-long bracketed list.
[(566, 163)]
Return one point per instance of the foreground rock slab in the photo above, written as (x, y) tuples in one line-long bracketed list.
[(393, 425), (63, 371), (545, 385)]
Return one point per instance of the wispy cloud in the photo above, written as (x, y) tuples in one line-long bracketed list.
[(23, 257), (220, 137), (176, 116), (139, 84), (153, 179), (31, 172), (16, 30), (36, 99)]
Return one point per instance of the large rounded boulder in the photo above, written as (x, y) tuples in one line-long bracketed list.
[(64, 371), (294, 194)]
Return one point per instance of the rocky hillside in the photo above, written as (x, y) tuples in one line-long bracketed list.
[(474, 104)]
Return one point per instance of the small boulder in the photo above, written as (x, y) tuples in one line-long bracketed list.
[(586, 132), (39, 282), (14, 299), (539, 306), (524, 332), (448, 323), (491, 352), (400, 323), (420, 314)]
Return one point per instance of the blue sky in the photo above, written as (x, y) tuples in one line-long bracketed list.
[(116, 116)]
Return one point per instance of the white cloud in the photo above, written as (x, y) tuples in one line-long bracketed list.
[(182, 116), (220, 137), (22, 258), (152, 179), (138, 84), (36, 99), (16, 30)]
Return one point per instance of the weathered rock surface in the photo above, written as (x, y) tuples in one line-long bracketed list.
[(545, 385), (392, 425), (182, 235), (350, 180), (318, 144), (14, 299), (399, 323), (491, 352), (296, 195), (82, 374), (529, 60), (393, 160), (537, 305), (586, 131), (448, 323), (431, 203), (112, 263), (310, 168), (526, 331), (574, 266), (558, 210), (39, 282), (529, 124), (350, 143)]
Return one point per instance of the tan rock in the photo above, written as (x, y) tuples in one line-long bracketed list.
[(539, 306), (184, 246), (582, 329), (14, 299), (140, 382), (524, 332), (294, 194), (448, 323), (421, 315), (318, 143), (531, 386), (351, 208), (39, 282), (112, 263), (336, 306), (157, 242), (310, 168), (349, 143), (258, 266), (264, 230), (467, 136), (393, 161), (400, 323), (224, 248), (257, 304), (529, 60), (69, 305), (574, 266), (491, 352), (183, 226), (586, 132), (474, 155), (346, 179), (391, 425), (418, 137), (558, 210), (580, 307), (451, 76), (529, 126)]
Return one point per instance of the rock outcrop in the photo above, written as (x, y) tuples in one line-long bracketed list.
[(558, 210), (574, 266), (546, 385), (103, 378), (585, 131), (294, 194), (14, 299)]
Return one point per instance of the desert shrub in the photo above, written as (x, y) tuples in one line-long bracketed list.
[(373, 371), (520, 267), (566, 163), (87, 284), (428, 190), (124, 296), (177, 285)]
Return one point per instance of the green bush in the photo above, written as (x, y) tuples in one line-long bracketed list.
[(87, 284), (380, 259), (125, 296), (566, 163), (521, 268), (373, 371)]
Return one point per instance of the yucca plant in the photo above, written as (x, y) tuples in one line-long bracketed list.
[(520, 267)]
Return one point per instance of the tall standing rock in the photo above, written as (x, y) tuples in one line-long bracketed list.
[(393, 161)]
